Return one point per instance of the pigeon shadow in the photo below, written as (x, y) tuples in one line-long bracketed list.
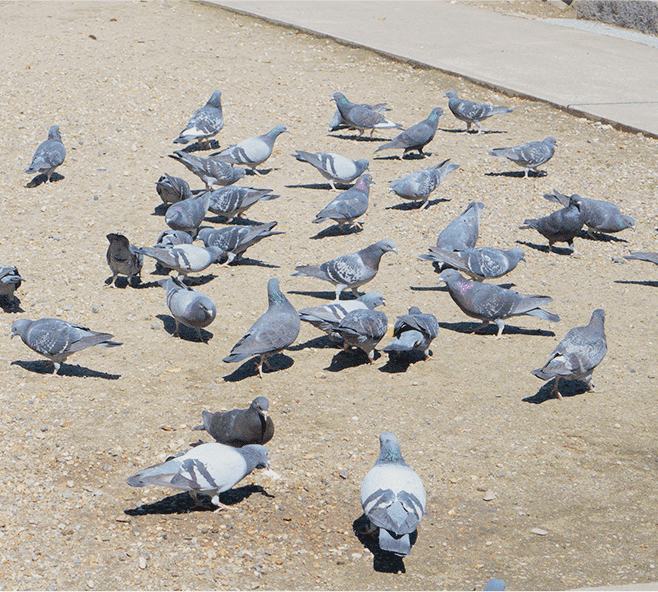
[(256, 172), (471, 132), (399, 362), (46, 367), (122, 282), (441, 288), (568, 388), (247, 261), (276, 363), (198, 147), (13, 305), (544, 248), (142, 285), (349, 359), (43, 178), (382, 561), (325, 295), (323, 342), (358, 138), (600, 237), (520, 174), (416, 204), (160, 209), (184, 332), (336, 230), (492, 329), (407, 156), (221, 219), (650, 283), (322, 186)]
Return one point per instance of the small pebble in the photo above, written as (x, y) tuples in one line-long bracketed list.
[(142, 563), (539, 531)]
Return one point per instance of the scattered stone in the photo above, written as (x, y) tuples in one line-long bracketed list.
[(489, 495), (539, 531)]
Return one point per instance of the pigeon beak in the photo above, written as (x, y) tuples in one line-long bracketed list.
[(12, 335), (264, 414)]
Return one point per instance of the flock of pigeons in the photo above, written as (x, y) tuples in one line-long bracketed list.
[(392, 494)]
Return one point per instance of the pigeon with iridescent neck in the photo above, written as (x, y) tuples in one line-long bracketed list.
[(348, 205), (417, 136)]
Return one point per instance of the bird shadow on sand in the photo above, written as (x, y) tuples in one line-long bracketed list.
[(416, 205), (249, 262), (122, 283), (650, 283), (492, 329), (471, 132), (160, 209), (408, 156), (46, 367), (276, 362), (321, 186), (182, 503), (441, 288), (43, 178), (347, 295), (399, 362), (317, 342), (349, 359), (198, 147), (260, 172), (189, 281), (13, 305), (382, 561), (238, 220), (544, 248), (185, 333), (601, 237), (358, 138), (518, 174), (336, 230), (568, 388)]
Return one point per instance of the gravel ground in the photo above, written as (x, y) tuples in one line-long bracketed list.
[(121, 79)]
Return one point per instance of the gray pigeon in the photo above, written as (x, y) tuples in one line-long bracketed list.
[(240, 427), (417, 136), (481, 263), (414, 331), (253, 151), (57, 340), (232, 202), (650, 257), (348, 205), (360, 117), (349, 271), (272, 332), (211, 468), (235, 240), (123, 259), (363, 329), (559, 227), (210, 171), (471, 112), (393, 498), (188, 215), (491, 303), (419, 185), (333, 167), (530, 155), (10, 281), (172, 189), (205, 123), (576, 356), (185, 259), (187, 306), (171, 238), (49, 154), (337, 122), (600, 216)]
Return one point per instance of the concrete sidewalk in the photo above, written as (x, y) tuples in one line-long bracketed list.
[(614, 80)]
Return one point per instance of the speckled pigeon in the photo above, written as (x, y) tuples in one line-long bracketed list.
[(188, 307), (419, 185), (413, 331), (360, 117), (253, 151), (240, 427), (210, 171), (348, 205), (205, 123), (123, 259), (471, 112), (576, 356), (481, 263), (559, 227), (337, 122), (188, 215), (349, 271), (235, 240), (56, 339), (393, 498), (363, 329), (333, 167), (49, 154), (10, 281), (491, 303), (172, 189), (185, 259), (650, 257), (417, 136), (272, 332), (530, 155), (232, 202)]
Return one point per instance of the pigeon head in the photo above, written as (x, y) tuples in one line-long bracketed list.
[(216, 253), (414, 310), (18, 327), (364, 182), (279, 129), (625, 221), (53, 133), (598, 315), (450, 275), (389, 449), (261, 404), (386, 245), (340, 99), (256, 455), (395, 185), (451, 94), (362, 163), (274, 294), (239, 172), (517, 254), (372, 300), (216, 99), (550, 140), (435, 114)]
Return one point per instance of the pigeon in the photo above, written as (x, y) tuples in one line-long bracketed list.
[(57, 340), (471, 112), (417, 136), (272, 332), (578, 354), (235, 240), (210, 171), (362, 328), (348, 205), (49, 154), (361, 117), (187, 306), (482, 263), (253, 151), (211, 468), (559, 227), (530, 155), (333, 167), (349, 271), (651, 257), (171, 238), (185, 259), (123, 259), (337, 122), (240, 427), (205, 123), (232, 202), (419, 185), (601, 216), (393, 497), (414, 331), (172, 189), (10, 281), (188, 215), (491, 303)]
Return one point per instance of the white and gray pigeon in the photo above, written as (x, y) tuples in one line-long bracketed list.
[(210, 171), (253, 151), (240, 427), (578, 354), (349, 205), (472, 112), (123, 259), (480, 263), (210, 468), (235, 240), (361, 117), (172, 189), (350, 271), (184, 259), (417, 136), (56, 339), (530, 155), (272, 332), (337, 122), (333, 167), (10, 281), (598, 215), (188, 306), (205, 123), (393, 497), (363, 329), (559, 227), (650, 257), (413, 331), (419, 185), (171, 238), (491, 303), (232, 202), (188, 215), (49, 154)]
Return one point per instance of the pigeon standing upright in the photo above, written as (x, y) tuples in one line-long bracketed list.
[(413, 331), (172, 189), (253, 151), (49, 154), (481, 263), (417, 136), (348, 205), (235, 240), (123, 259), (419, 185), (187, 306), (361, 117), (530, 155), (363, 329), (559, 227), (232, 202), (205, 123), (333, 167), (10, 281), (471, 112), (188, 215), (210, 171)]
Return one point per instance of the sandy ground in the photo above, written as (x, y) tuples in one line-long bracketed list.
[(121, 79)]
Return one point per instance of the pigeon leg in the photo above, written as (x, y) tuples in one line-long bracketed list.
[(221, 507), (480, 327), (479, 127), (372, 131), (109, 282), (256, 172), (525, 175), (501, 326), (555, 388), (356, 225), (333, 185), (425, 204), (176, 332), (575, 254), (57, 365), (339, 289), (357, 293), (197, 502)]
